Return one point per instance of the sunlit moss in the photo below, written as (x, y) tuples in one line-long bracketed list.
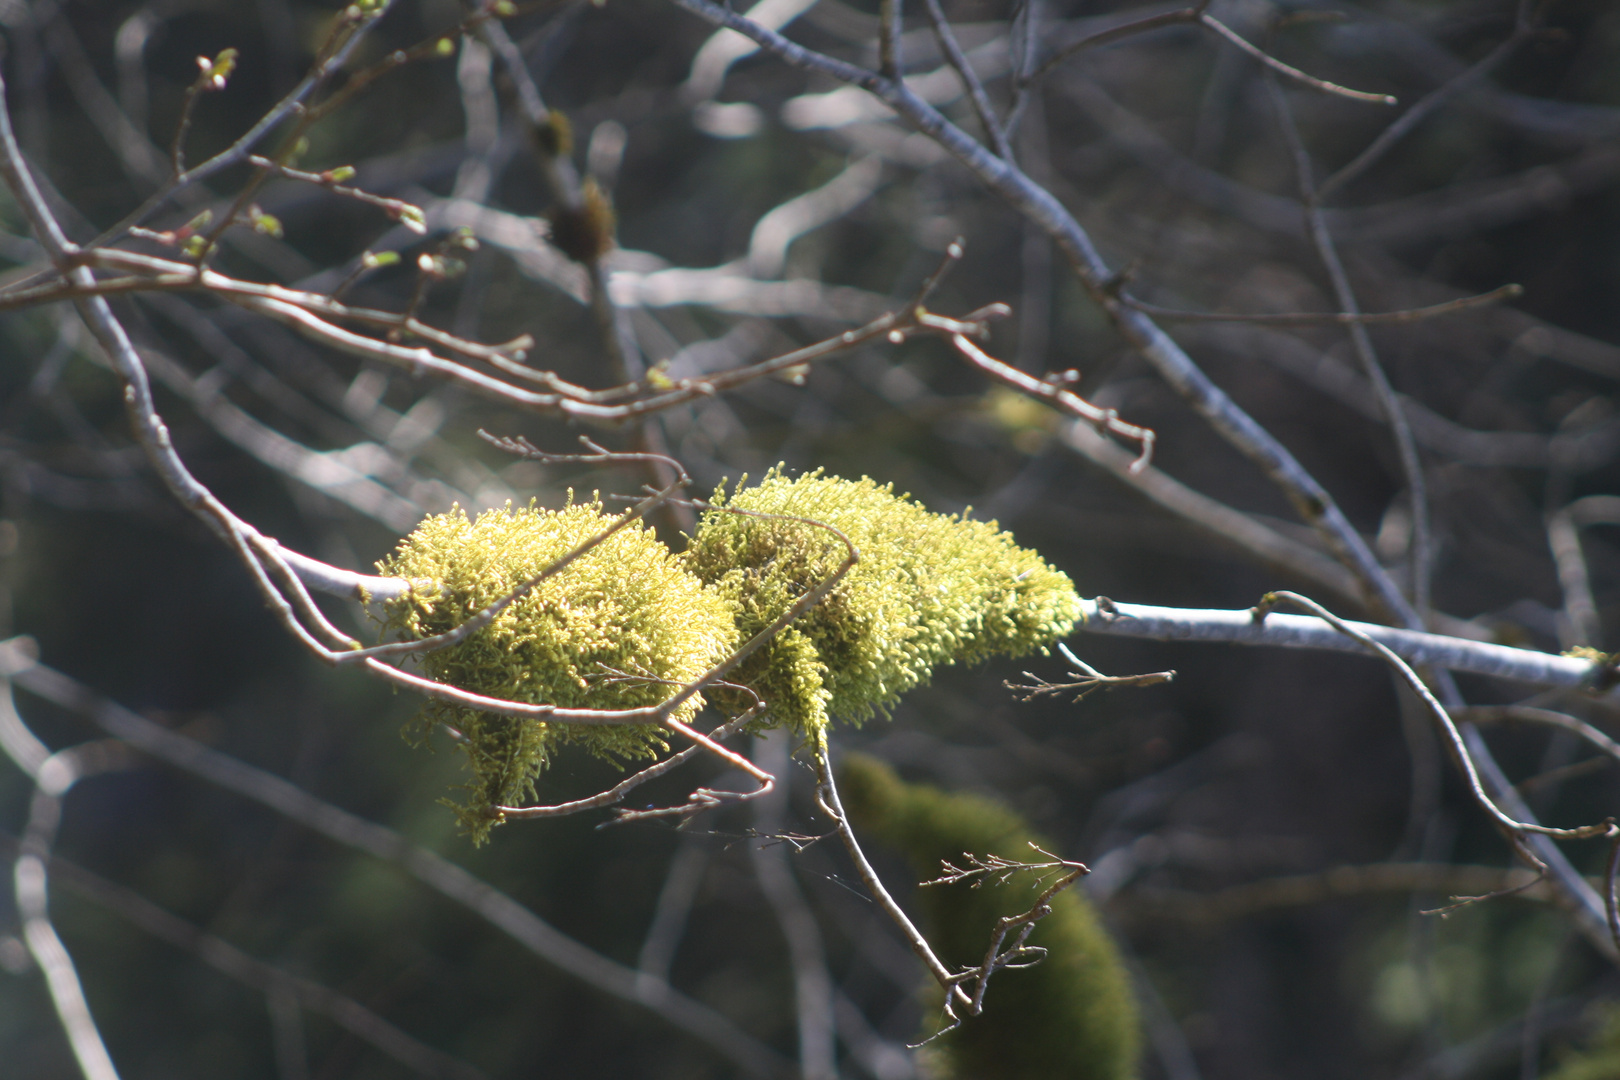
[(1072, 1015), (930, 589), (627, 606)]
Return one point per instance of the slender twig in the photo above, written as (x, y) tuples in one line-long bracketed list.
[(1287, 71), (1331, 318), (53, 775), (1585, 626), (812, 983), (1052, 391), (1523, 29), (1300, 890), (958, 60), (1198, 15), (1018, 954), (1460, 902), (312, 314), (890, 61), (211, 78), (827, 799), (1081, 682), (1451, 737), (1529, 714), (1179, 17), (1421, 556), (619, 791), (1611, 892), (406, 213)]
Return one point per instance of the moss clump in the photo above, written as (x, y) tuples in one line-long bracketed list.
[(626, 605), (1072, 1015), (929, 589)]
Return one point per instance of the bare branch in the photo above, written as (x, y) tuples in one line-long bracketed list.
[(982, 108), (1417, 485), (1332, 318), (827, 799), (1287, 71), (1105, 616)]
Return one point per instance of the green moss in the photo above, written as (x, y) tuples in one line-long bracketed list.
[(930, 589), (626, 605), (1072, 1015)]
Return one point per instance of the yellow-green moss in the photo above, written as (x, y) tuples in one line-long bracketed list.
[(627, 605), (1070, 1016), (930, 589)]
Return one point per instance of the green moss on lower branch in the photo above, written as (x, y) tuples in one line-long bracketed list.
[(1070, 1016)]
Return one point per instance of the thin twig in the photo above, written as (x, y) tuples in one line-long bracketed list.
[(1052, 390), (890, 27), (619, 791), (1529, 714), (970, 81), (1443, 722), (1179, 17), (1523, 29), (1611, 892), (827, 799), (1083, 681), (812, 983), (1421, 556), (408, 214), (1331, 318), (53, 775), (1301, 890)]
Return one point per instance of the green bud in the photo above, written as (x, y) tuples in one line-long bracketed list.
[(412, 218), (267, 225)]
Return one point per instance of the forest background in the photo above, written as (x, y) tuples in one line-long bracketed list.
[(757, 208)]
